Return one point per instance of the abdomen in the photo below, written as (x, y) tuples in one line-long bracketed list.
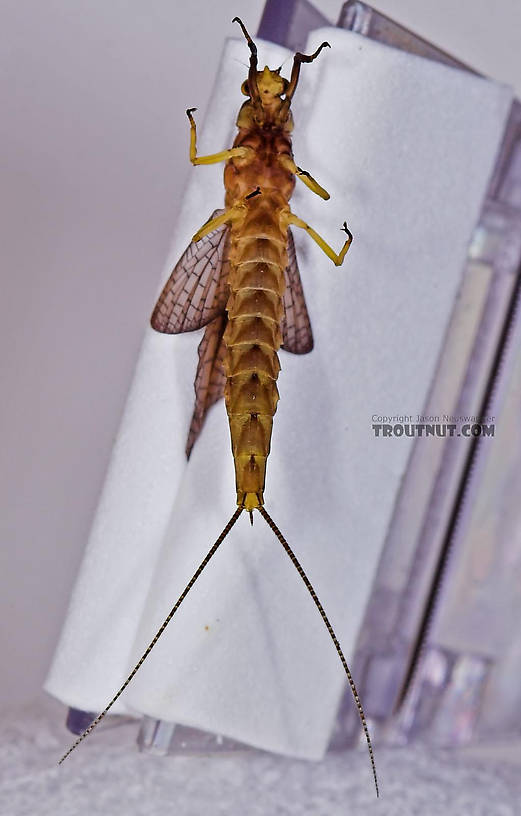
[(258, 259)]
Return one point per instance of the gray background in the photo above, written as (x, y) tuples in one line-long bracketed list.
[(93, 164)]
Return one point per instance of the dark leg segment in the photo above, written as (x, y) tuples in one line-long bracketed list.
[(298, 59), (252, 74)]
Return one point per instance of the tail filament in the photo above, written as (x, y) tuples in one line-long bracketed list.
[(185, 592), (159, 632), (296, 563)]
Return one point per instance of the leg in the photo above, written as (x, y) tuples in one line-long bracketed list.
[(252, 73), (337, 259), (226, 217), (224, 155), (288, 163), (295, 71), (212, 224)]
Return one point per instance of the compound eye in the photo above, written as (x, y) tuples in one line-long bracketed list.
[(245, 88)]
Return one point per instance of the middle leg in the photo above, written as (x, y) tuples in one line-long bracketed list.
[(288, 164), (213, 158)]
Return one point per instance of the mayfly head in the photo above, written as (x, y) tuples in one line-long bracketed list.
[(264, 108), (269, 84), (266, 88)]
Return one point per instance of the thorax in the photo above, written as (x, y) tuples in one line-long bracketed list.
[(261, 167)]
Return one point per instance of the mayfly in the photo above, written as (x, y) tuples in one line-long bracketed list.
[(239, 280)]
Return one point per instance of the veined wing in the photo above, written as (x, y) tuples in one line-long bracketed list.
[(196, 291), (210, 378), (297, 336)]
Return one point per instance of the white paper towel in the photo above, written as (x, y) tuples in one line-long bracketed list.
[(405, 147)]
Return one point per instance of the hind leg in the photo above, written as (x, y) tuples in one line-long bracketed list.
[(213, 223), (337, 259), (227, 217)]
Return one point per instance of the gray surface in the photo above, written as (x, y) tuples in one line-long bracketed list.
[(106, 775)]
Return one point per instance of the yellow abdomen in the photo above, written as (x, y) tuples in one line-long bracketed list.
[(253, 336)]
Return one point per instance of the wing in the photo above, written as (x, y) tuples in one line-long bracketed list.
[(196, 291), (297, 336), (210, 378)]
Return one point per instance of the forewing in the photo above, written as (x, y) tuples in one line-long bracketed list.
[(196, 291), (210, 378), (297, 336)]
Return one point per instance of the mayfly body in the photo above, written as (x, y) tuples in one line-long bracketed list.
[(239, 280)]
